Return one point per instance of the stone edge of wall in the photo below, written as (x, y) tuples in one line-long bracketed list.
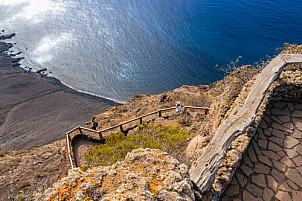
[(240, 144)]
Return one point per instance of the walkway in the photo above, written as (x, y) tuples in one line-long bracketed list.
[(272, 165)]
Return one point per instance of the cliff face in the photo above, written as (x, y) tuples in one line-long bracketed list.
[(227, 97), (35, 110), (146, 174)]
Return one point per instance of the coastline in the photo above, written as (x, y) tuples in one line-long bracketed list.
[(37, 109)]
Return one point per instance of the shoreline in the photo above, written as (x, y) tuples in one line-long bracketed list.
[(77, 92), (49, 77), (41, 71), (36, 109)]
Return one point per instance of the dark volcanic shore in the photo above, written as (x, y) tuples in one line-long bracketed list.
[(36, 110)]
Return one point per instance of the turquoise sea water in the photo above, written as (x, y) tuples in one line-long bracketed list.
[(119, 48)]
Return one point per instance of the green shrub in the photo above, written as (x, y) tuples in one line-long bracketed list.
[(24, 185), (20, 197), (40, 174), (170, 139), (84, 168), (120, 109), (138, 96)]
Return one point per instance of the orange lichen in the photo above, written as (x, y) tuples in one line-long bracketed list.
[(98, 184), (157, 155), (139, 169), (77, 132), (86, 192), (63, 194), (153, 185), (69, 191)]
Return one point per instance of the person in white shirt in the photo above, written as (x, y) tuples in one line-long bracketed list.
[(178, 107)]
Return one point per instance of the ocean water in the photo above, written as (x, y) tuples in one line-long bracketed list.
[(119, 48)]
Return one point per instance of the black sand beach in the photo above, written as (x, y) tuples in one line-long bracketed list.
[(36, 110)]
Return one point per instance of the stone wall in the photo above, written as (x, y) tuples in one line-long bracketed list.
[(285, 92)]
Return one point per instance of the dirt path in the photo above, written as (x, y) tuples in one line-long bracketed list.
[(81, 146)]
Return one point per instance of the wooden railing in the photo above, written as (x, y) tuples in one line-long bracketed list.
[(120, 125), (140, 118)]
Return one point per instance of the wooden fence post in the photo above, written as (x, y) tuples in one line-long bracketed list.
[(80, 130), (68, 148), (207, 111), (140, 118)]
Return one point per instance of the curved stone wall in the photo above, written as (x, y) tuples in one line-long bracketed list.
[(271, 168)]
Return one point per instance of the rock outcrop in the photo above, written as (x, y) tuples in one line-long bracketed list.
[(146, 174)]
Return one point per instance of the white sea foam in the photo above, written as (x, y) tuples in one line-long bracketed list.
[(48, 45), (33, 10)]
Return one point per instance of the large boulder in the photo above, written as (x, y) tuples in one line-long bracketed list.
[(145, 174)]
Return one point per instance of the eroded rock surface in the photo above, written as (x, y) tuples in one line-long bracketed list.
[(146, 174)]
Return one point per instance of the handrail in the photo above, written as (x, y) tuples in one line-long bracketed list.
[(137, 118), (83, 128), (68, 148), (80, 128)]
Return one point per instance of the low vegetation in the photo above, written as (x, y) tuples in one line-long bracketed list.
[(170, 139)]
